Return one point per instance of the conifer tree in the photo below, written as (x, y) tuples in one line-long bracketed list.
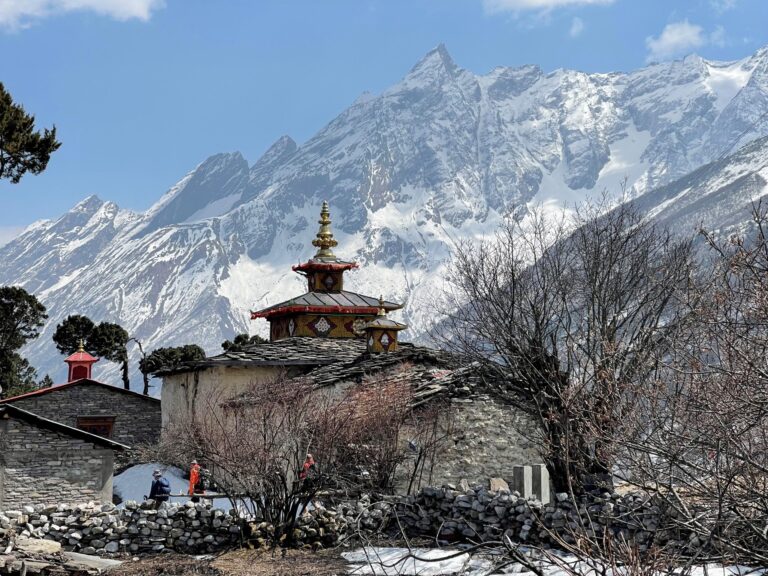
[(21, 148)]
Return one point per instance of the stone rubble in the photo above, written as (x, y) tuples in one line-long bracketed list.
[(477, 513), (472, 513)]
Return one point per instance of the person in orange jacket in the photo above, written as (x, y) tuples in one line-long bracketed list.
[(194, 479)]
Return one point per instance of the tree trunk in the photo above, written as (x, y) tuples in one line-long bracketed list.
[(126, 382), (146, 383)]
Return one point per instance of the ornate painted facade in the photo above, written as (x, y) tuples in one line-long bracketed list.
[(327, 310)]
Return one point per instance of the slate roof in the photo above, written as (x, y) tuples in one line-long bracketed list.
[(80, 382), (332, 299), (329, 361), (34, 419), (298, 351)]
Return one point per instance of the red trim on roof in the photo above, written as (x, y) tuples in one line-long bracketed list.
[(315, 310), (81, 357), (70, 384), (310, 265)]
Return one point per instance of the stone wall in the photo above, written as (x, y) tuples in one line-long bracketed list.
[(137, 418), (190, 527), (486, 442), (480, 514), (41, 466)]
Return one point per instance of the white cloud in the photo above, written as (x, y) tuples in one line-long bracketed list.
[(676, 39), (577, 27), (22, 13), (526, 5), (723, 5)]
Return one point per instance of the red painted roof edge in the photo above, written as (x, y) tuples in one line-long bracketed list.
[(315, 309), (70, 384), (87, 357)]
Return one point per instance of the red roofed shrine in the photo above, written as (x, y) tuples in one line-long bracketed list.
[(326, 310), (80, 364)]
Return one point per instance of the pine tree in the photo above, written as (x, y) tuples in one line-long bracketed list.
[(241, 342), (71, 332), (21, 316), (21, 148)]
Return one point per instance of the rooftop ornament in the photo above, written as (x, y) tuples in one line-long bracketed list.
[(324, 241)]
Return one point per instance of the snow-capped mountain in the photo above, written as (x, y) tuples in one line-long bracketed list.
[(443, 154)]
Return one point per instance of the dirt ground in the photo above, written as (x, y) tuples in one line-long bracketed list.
[(238, 563)]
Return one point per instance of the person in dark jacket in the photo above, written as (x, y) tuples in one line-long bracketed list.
[(160, 490)]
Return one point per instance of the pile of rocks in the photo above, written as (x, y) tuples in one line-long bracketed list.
[(20, 556), (102, 529), (366, 515), (320, 528), (480, 514)]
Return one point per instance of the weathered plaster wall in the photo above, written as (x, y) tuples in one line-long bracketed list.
[(40, 466), (137, 418), (184, 394)]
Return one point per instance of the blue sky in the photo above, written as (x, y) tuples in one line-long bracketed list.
[(143, 90)]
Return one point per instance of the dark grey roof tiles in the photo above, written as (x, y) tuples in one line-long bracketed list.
[(343, 298), (330, 361), (286, 352)]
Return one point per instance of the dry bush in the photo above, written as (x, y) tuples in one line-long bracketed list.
[(255, 444)]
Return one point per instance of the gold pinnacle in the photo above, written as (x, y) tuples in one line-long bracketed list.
[(382, 312), (324, 240), (81, 346)]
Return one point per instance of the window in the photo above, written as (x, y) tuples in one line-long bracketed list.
[(99, 425)]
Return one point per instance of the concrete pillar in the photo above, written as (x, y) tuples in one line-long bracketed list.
[(522, 480), (541, 483)]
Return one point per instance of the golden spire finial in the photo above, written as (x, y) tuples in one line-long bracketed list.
[(81, 346), (324, 240), (382, 312)]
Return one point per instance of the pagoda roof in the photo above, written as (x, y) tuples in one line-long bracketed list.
[(80, 356), (324, 264), (327, 303)]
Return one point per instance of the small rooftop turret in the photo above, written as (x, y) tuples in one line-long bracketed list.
[(381, 332), (80, 364)]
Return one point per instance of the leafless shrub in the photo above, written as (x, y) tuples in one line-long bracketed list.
[(256, 444), (569, 318)]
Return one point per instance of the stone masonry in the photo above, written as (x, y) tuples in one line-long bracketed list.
[(44, 466), (486, 442), (137, 417)]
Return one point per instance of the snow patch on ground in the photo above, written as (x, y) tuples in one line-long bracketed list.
[(134, 482), (437, 562)]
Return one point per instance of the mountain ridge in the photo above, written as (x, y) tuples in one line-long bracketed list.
[(443, 154)]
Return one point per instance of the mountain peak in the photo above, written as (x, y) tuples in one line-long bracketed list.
[(89, 205), (435, 61)]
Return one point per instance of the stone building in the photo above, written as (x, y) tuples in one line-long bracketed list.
[(335, 338), (46, 462), (115, 413)]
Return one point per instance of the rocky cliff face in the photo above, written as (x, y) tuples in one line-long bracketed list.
[(442, 155)]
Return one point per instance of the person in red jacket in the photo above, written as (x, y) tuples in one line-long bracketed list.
[(307, 468), (194, 480)]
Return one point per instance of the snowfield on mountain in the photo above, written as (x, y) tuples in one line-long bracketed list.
[(443, 155)]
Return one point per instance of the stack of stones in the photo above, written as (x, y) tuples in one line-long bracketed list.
[(366, 516), (103, 529), (480, 514), (320, 528)]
